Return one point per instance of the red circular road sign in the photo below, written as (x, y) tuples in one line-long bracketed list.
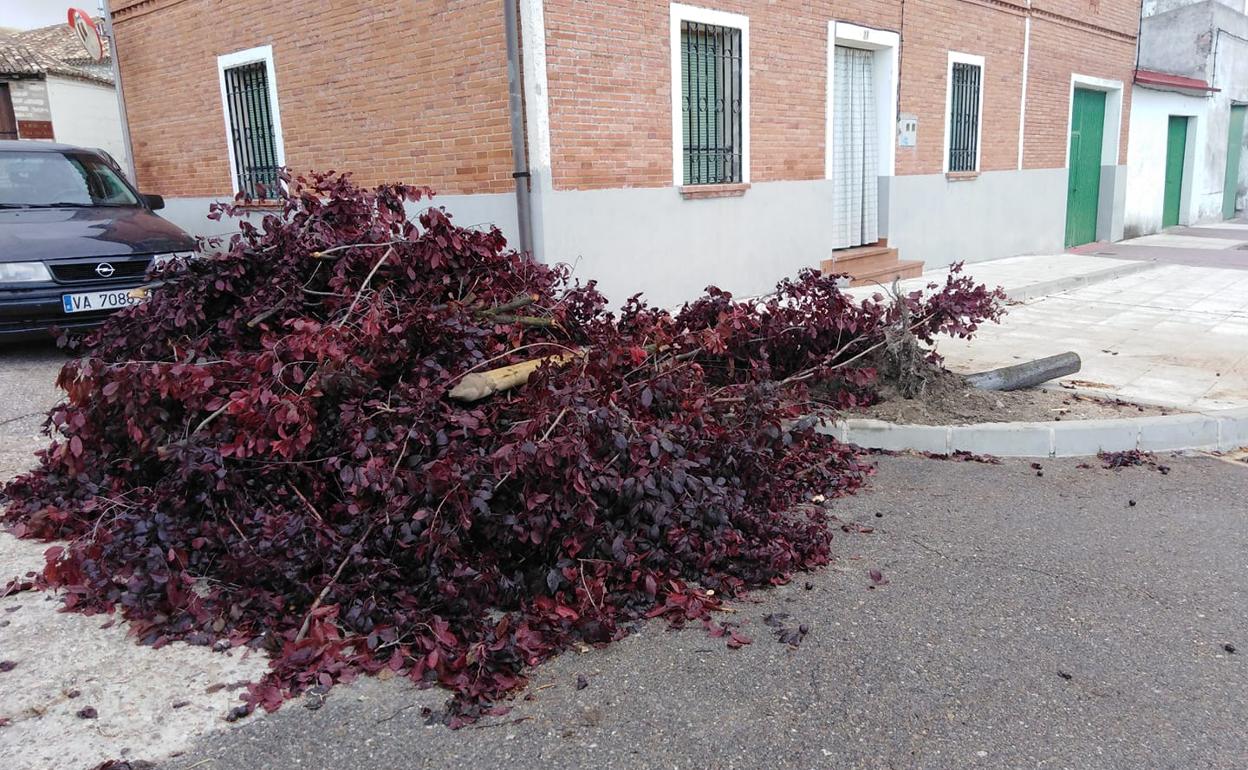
[(82, 25)]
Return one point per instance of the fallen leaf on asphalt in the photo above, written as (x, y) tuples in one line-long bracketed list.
[(87, 712), (1229, 648), (790, 637), (581, 682), (7, 665)]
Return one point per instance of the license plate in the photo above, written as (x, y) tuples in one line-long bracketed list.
[(102, 300)]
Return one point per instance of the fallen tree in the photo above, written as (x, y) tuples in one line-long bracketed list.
[(265, 452), (1027, 374)]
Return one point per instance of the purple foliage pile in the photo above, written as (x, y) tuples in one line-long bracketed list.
[(265, 453)]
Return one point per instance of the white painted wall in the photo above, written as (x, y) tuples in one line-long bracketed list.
[(1146, 161), (85, 114)]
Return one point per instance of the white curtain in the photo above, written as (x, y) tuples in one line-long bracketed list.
[(855, 150)]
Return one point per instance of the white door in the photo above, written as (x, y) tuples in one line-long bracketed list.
[(855, 149)]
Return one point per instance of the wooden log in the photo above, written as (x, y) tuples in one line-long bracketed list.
[(1026, 375), (477, 385)]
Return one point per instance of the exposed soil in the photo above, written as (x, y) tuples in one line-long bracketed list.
[(952, 402)]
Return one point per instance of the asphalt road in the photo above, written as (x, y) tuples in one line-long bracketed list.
[(1028, 621)]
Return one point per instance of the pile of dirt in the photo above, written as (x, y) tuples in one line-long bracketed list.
[(952, 402)]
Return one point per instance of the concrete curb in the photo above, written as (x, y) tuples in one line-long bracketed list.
[(1066, 283), (1222, 430)]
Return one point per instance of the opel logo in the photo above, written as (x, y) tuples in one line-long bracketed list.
[(104, 270)]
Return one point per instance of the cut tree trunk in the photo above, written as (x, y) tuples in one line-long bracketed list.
[(478, 385), (1026, 375)]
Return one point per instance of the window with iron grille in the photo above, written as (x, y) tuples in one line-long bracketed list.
[(710, 79), (252, 133), (964, 105)]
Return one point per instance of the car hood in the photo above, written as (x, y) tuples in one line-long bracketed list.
[(43, 234)]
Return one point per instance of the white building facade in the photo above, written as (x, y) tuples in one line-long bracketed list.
[(1186, 159)]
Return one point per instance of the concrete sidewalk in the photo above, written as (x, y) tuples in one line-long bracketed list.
[(1169, 329)]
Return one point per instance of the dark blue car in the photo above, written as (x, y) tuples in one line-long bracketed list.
[(76, 239)]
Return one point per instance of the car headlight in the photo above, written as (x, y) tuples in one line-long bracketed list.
[(161, 259), (23, 272)]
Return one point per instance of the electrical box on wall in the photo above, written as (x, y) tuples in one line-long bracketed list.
[(907, 130)]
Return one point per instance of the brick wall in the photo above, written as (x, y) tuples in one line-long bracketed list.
[(609, 73), (418, 91), (932, 30), (410, 91), (609, 76), (1058, 50)]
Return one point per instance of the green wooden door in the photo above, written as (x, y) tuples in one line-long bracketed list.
[(1083, 189), (1176, 149), (1234, 150)]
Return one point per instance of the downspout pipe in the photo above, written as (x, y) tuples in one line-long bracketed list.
[(520, 160)]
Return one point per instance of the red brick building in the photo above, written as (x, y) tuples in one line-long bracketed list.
[(669, 145)]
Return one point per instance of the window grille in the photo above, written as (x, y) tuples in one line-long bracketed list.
[(251, 129), (964, 117), (710, 62)]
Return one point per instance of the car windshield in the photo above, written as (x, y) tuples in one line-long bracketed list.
[(54, 179)]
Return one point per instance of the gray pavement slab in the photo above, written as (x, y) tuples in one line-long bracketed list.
[(1027, 621)]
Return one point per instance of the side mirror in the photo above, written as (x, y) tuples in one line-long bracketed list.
[(154, 202)]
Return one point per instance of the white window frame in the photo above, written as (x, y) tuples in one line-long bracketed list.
[(227, 61), (680, 13), (886, 46), (957, 57), (1112, 130)]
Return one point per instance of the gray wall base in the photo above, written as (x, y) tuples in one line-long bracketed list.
[(652, 240), (191, 214), (998, 214)]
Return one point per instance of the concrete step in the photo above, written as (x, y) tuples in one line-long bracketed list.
[(862, 259), (902, 269)]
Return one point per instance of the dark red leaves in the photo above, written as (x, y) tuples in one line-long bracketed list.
[(264, 453), (1131, 458)]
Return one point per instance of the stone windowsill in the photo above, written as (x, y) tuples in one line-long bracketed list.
[(264, 204), (694, 192), (961, 176)]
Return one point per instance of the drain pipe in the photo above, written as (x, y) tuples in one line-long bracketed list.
[(524, 215)]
